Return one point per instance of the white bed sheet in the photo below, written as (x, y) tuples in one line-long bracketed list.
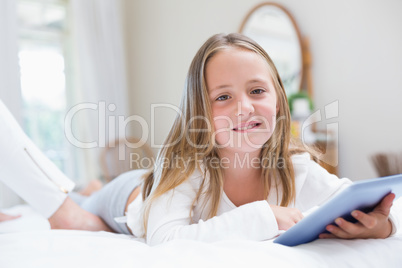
[(28, 242)]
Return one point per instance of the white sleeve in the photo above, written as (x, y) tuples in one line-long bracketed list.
[(314, 185), (169, 219), (396, 216), (27, 171)]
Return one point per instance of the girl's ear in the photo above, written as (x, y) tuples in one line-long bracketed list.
[(277, 106)]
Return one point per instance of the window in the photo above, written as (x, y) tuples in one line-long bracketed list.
[(43, 46)]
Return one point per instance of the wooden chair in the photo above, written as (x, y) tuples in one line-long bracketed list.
[(124, 155), (387, 164)]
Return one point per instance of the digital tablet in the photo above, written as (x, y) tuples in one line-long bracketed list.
[(362, 195)]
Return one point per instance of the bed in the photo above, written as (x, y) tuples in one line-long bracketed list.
[(29, 242)]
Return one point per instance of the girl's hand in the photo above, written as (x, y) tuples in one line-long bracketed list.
[(372, 225), (286, 217)]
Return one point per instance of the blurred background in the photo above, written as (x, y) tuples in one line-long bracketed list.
[(127, 57)]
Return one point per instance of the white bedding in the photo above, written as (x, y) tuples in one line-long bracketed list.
[(28, 242)]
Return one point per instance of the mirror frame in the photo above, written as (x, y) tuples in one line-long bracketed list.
[(302, 49)]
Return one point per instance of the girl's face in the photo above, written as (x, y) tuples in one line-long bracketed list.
[(243, 99)]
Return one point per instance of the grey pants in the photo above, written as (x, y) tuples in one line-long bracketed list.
[(110, 201)]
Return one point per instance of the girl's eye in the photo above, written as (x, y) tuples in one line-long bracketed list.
[(223, 97), (257, 91)]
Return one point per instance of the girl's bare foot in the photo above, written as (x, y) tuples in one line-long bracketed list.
[(6, 217), (93, 186), (73, 217)]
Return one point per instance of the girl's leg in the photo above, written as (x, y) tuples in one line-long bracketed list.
[(25, 170), (111, 201), (71, 216)]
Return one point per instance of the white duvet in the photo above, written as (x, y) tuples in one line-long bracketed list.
[(28, 242)]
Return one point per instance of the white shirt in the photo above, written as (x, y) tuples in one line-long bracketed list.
[(169, 216)]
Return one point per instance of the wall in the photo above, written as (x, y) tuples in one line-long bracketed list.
[(357, 60)]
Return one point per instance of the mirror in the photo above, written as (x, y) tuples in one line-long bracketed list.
[(271, 26)]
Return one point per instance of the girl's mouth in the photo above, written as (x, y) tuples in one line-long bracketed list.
[(245, 127)]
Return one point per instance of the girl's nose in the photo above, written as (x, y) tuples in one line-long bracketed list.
[(245, 107)]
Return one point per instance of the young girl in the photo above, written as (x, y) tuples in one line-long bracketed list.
[(227, 169)]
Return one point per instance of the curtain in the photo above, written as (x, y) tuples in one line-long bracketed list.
[(100, 95), (10, 92)]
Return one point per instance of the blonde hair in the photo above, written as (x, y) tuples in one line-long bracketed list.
[(195, 104)]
